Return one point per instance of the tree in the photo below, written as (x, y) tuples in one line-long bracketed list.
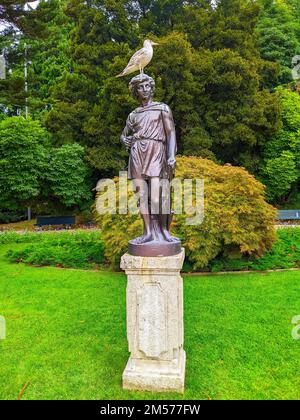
[(35, 174), (20, 16), (46, 58), (67, 176), (13, 13), (212, 81), (281, 171), (90, 105), (23, 157)]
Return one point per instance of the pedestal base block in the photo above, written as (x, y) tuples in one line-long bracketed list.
[(153, 375)]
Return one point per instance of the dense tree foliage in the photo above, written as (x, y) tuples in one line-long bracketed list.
[(45, 54), (67, 176), (32, 171), (21, 17), (279, 34), (212, 79), (48, 56), (23, 157), (282, 153)]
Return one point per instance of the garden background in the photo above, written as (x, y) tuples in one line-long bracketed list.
[(229, 71)]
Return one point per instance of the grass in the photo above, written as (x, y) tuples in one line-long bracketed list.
[(66, 335)]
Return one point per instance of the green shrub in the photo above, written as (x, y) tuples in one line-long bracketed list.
[(284, 254), (18, 238), (9, 217), (237, 219), (70, 250)]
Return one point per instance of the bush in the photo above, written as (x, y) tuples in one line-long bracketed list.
[(86, 217), (281, 173), (9, 217), (238, 221), (70, 250), (17, 238), (284, 254)]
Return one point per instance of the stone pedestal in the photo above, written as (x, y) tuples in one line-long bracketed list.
[(154, 323)]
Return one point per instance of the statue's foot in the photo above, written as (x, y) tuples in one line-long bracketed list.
[(136, 240), (144, 238), (169, 237)]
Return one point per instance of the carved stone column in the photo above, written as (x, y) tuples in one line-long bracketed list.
[(154, 323)]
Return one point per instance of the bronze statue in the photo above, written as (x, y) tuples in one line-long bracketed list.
[(150, 137)]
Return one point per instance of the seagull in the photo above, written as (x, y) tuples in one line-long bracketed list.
[(140, 59)]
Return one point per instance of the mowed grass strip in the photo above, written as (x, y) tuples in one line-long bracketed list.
[(66, 335)]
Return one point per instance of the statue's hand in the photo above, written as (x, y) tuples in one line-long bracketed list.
[(172, 162), (127, 141)]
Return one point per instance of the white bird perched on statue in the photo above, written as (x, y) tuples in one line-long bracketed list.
[(140, 59)]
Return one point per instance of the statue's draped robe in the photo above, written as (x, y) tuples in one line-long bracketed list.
[(148, 154)]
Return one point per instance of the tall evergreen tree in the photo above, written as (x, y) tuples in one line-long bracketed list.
[(20, 16), (207, 68), (45, 56), (90, 103)]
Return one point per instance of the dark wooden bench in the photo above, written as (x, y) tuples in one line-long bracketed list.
[(55, 221), (288, 215)]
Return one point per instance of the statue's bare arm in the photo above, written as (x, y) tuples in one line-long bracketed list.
[(171, 136), (126, 137)]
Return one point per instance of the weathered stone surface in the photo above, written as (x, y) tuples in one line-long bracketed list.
[(154, 263), (155, 375), (152, 328), (154, 323)]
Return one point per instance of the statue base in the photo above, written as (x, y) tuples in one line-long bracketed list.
[(154, 323), (154, 248)]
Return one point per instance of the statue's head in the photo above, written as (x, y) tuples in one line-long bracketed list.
[(142, 87)]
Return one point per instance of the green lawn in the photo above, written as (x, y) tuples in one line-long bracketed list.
[(66, 335)]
